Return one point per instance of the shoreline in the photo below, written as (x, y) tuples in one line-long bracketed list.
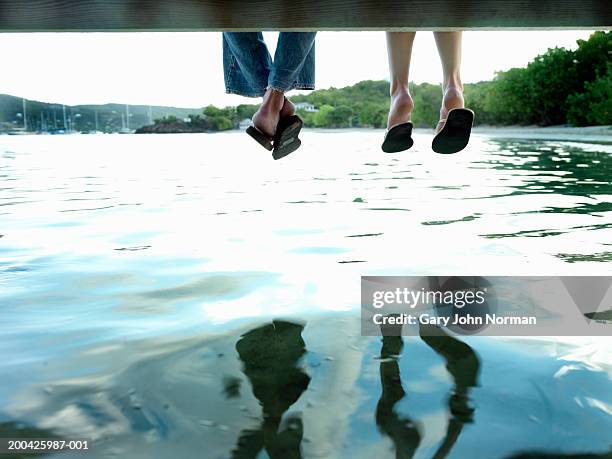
[(599, 134), (569, 133)]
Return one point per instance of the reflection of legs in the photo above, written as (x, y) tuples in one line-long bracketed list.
[(270, 355), (250, 444), (399, 50), (401, 431), (463, 365), (449, 49), (285, 443)]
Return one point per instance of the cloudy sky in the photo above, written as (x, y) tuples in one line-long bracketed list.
[(184, 69)]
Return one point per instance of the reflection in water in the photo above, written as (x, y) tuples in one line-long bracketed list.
[(463, 365), (555, 168), (270, 355), (401, 430), (84, 290)]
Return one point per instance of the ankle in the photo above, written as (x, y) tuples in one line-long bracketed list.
[(452, 83), (453, 98), (399, 91), (273, 101)]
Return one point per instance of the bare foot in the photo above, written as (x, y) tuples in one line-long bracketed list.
[(267, 116), (401, 108), (453, 98), (288, 108)]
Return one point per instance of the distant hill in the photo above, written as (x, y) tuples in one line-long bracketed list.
[(50, 117)]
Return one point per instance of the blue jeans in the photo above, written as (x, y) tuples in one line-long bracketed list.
[(249, 69)]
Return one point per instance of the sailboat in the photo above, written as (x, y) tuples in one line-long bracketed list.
[(96, 130), (68, 126), (125, 122), (24, 129)]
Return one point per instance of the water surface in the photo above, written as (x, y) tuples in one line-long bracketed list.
[(139, 276)]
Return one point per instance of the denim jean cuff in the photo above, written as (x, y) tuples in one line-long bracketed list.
[(259, 93), (278, 89), (291, 87)]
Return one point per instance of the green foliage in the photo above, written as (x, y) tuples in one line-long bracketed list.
[(557, 87), (372, 114), (551, 78), (593, 56), (246, 111), (221, 119), (427, 100), (321, 117), (594, 105), (166, 120), (508, 100), (340, 116)]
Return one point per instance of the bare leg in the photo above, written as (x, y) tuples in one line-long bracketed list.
[(449, 49), (399, 50), (274, 106)]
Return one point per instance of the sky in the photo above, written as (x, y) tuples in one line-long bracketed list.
[(185, 69)]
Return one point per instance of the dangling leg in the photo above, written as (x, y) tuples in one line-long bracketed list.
[(293, 67), (449, 49), (399, 51), (399, 128), (455, 125), (292, 51)]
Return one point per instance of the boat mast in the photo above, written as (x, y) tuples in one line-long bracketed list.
[(25, 116)]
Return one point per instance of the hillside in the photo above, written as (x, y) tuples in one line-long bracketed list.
[(50, 117)]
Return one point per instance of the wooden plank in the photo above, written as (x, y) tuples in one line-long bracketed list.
[(216, 15)]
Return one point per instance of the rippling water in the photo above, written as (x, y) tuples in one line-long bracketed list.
[(138, 273)]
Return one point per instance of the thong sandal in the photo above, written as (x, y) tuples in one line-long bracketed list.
[(262, 139), (455, 134), (286, 138), (398, 138)]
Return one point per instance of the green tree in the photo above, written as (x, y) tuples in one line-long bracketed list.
[(340, 116), (593, 56), (427, 100), (552, 78), (509, 98), (594, 105), (246, 111), (321, 117)]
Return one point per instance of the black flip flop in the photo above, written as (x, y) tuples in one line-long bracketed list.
[(261, 138), (286, 139), (398, 138), (455, 134)]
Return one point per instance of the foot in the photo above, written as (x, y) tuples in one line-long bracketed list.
[(267, 116), (453, 98), (401, 108), (288, 109)]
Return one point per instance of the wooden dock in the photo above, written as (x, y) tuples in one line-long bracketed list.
[(218, 15)]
